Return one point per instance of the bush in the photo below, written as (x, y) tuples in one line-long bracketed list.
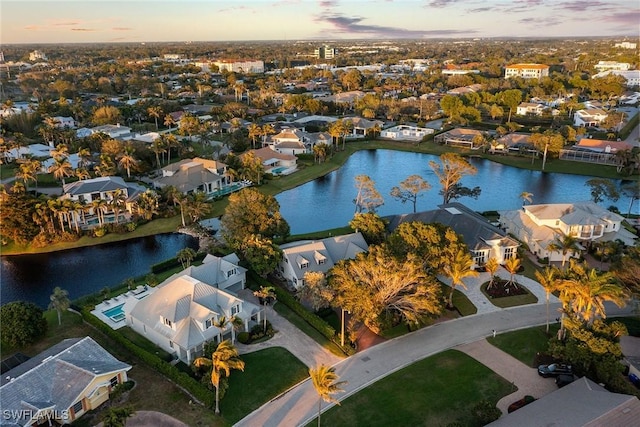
[(165, 265), (22, 323), (485, 412), (243, 337)]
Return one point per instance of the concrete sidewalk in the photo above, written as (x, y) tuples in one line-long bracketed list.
[(524, 377)]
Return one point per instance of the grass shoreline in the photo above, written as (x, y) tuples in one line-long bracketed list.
[(311, 171)]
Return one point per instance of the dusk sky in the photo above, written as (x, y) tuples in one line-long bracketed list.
[(52, 21)]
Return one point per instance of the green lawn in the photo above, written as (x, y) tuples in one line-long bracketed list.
[(434, 392), (267, 373), (513, 301), (525, 343)]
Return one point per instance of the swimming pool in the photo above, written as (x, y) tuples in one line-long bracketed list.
[(115, 313), (278, 170)]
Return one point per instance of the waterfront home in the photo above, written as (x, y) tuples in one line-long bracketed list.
[(483, 239), (289, 141), (274, 162), (361, 128), (102, 198), (516, 142), (317, 255), (194, 175), (60, 384), (406, 133), (193, 307), (540, 225), (461, 137)]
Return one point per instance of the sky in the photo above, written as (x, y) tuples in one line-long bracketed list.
[(89, 21)]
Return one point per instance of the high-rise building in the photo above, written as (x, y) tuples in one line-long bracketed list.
[(325, 52)]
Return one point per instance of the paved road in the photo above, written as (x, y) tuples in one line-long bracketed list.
[(298, 406)]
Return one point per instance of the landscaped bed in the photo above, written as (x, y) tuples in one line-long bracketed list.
[(504, 294)]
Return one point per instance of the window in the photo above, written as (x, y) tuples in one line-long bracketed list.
[(207, 323), (304, 264), (509, 252), (321, 261), (113, 381), (77, 407), (479, 257), (171, 344), (167, 322), (231, 272), (235, 309)]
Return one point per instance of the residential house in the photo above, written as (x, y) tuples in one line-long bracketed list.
[(194, 175), (315, 120), (187, 310), (460, 137), (595, 151), (602, 146), (631, 352), (483, 239), (73, 159), (240, 66), (114, 131), (274, 162), (64, 122), (632, 77), (513, 142), (591, 117), (92, 191), (60, 384), (465, 89), (406, 133), (529, 109), (317, 255), (289, 141), (626, 45), (612, 65), (360, 127), (582, 403), (540, 225), (526, 71), (37, 151)]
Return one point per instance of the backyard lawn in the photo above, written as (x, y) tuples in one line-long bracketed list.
[(525, 343), (436, 391)]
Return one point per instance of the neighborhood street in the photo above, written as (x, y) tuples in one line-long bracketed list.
[(299, 405)]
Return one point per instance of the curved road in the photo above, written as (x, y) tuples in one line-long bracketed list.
[(299, 405)]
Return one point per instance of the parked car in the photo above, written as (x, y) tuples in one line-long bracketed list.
[(634, 380), (554, 369), (563, 380)]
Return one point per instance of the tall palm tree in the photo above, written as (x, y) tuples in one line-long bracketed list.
[(325, 381), (265, 293), (526, 197), (223, 360), (59, 302), (61, 169), (565, 243), (585, 291), (117, 203), (512, 265), (168, 121), (459, 268), (155, 112), (549, 282), (127, 159), (255, 131), (492, 266)]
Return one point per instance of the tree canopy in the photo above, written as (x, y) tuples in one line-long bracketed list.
[(22, 323), (451, 169)]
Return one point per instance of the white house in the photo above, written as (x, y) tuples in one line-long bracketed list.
[(317, 255), (193, 307), (64, 122), (289, 141), (274, 162), (362, 127), (612, 65), (589, 117), (33, 150), (484, 240), (194, 175), (632, 77), (114, 131), (540, 225), (60, 384), (406, 133), (529, 108), (526, 71)]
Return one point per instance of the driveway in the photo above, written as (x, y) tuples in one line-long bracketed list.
[(298, 405), (290, 337), (524, 377)]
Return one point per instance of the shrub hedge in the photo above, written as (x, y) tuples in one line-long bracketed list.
[(196, 389)]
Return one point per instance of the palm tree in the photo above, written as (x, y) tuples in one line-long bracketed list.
[(168, 121), (325, 381), (147, 204), (565, 243), (548, 280), (127, 159), (61, 168), (265, 293), (185, 256), (155, 112), (512, 265), (526, 197), (82, 174), (492, 266), (254, 132), (59, 302), (197, 206), (224, 359), (117, 202), (459, 268), (585, 291)]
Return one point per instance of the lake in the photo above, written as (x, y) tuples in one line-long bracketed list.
[(327, 202), (82, 271)]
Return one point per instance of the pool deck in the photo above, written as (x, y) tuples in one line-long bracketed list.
[(128, 297)]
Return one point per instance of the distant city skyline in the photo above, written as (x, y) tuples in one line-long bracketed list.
[(92, 21)]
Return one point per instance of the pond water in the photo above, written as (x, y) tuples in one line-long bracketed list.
[(327, 202), (82, 271)]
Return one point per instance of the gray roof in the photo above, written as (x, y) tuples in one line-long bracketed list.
[(581, 403), (57, 377), (475, 229), (103, 184)]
